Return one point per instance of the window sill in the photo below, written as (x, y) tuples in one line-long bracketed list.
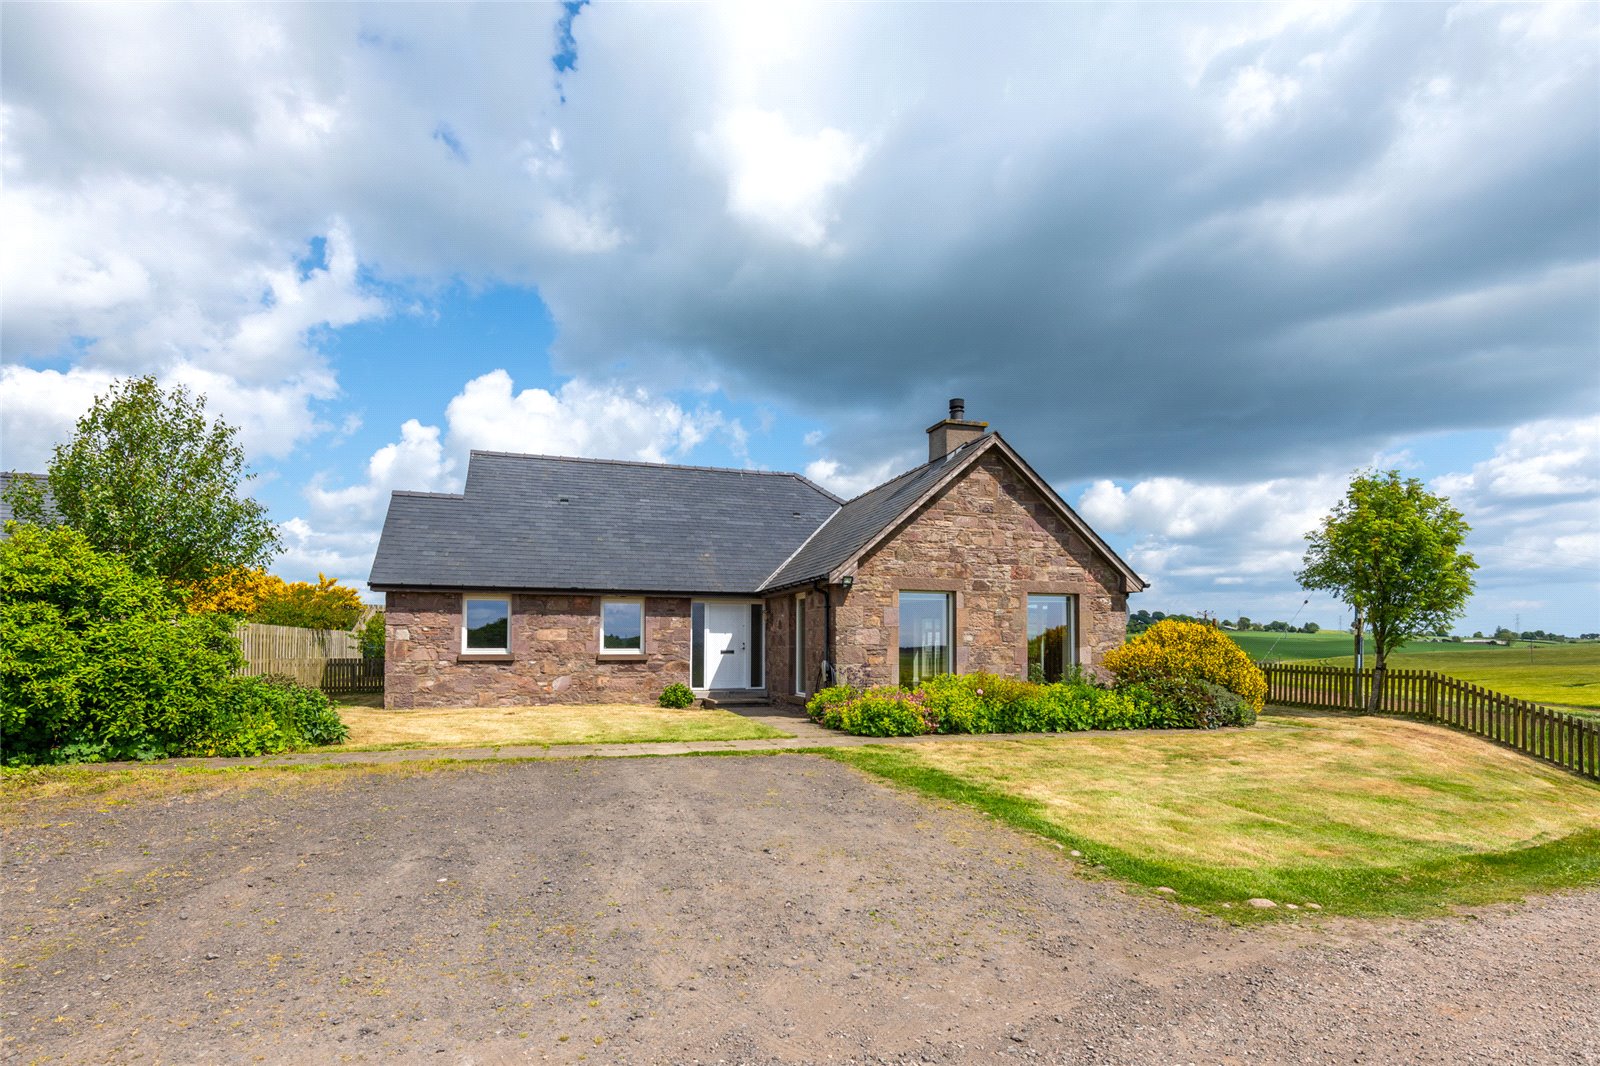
[(620, 657), (486, 657)]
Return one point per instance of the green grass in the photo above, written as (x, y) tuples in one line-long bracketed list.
[(1363, 816), (1561, 675)]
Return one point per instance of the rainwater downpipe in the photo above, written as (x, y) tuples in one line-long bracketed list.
[(829, 675)]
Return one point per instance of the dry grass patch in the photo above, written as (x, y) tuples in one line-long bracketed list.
[(1367, 815), (610, 723)]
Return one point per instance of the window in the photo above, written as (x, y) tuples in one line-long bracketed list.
[(1052, 649), (800, 644), (757, 643), (486, 624), (622, 627), (925, 636), (697, 640)]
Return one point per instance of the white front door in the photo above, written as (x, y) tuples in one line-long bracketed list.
[(727, 645)]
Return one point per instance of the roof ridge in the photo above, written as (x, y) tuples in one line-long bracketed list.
[(429, 495)]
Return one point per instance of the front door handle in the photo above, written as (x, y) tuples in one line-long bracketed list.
[(729, 651)]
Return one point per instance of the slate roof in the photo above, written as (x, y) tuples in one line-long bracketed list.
[(544, 522), (6, 478), (863, 518)]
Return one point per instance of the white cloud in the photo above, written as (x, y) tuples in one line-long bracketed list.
[(846, 481), (1554, 457), (580, 419), (40, 409), (781, 179)]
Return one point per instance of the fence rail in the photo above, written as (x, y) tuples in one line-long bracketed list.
[(329, 659), (1568, 740)]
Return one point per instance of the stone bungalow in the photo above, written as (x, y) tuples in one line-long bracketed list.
[(552, 580)]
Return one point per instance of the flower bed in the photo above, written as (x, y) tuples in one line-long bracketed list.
[(988, 703)]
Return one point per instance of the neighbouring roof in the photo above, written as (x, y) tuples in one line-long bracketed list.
[(6, 480), (544, 522)]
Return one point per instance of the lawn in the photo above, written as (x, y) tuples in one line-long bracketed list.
[(373, 728), (1362, 816), (1562, 675)]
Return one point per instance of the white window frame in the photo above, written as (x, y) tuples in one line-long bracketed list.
[(633, 601), (800, 644), (484, 597)]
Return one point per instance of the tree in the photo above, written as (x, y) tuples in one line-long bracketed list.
[(373, 637), (148, 477), (325, 605), (1391, 550), (1311, 627)]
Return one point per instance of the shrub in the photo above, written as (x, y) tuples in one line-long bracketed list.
[(1188, 651), (1189, 703), (373, 637), (987, 703), (677, 696), (98, 662)]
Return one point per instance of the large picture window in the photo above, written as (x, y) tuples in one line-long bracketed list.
[(926, 640), (622, 627), (486, 625), (1052, 649)]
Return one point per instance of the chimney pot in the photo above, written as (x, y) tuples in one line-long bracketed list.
[(948, 434)]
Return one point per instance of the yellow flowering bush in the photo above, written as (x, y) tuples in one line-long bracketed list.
[(1188, 650), (237, 592)]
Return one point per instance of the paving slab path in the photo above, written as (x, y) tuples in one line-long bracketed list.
[(719, 910)]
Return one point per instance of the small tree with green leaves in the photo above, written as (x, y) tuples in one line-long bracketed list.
[(1392, 551), (149, 477)]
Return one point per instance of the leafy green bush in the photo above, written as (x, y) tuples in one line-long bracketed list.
[(1191, 703), (98, 662), (373, 637), (988, 703), (677, 696)]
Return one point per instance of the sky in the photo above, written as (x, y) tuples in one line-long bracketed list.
[(1197, 263)]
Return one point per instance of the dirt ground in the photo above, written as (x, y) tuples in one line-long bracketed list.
[(728, 909)]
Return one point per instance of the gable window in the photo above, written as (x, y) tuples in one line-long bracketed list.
[(926, 638), (1052, 647), (622, 627), (486, 625), (800, 644)]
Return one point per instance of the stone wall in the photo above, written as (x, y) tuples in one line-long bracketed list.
[(554, 654), (990, 539), (780, 643)]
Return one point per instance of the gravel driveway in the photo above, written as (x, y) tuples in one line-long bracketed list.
[(732, 909)]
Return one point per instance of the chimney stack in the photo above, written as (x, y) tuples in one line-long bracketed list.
[(951, 433)]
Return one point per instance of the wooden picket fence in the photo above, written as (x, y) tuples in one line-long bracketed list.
[(329, 659), (1568, 740)]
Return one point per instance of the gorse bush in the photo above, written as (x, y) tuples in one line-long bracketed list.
[(677, 696), (1188, 651), (99, 662)]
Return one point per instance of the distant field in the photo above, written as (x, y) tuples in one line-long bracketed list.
[(1562, 675)]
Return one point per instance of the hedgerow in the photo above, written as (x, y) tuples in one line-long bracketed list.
[(988, 703)]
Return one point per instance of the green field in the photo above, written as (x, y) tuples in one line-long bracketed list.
[(1561, 675)]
